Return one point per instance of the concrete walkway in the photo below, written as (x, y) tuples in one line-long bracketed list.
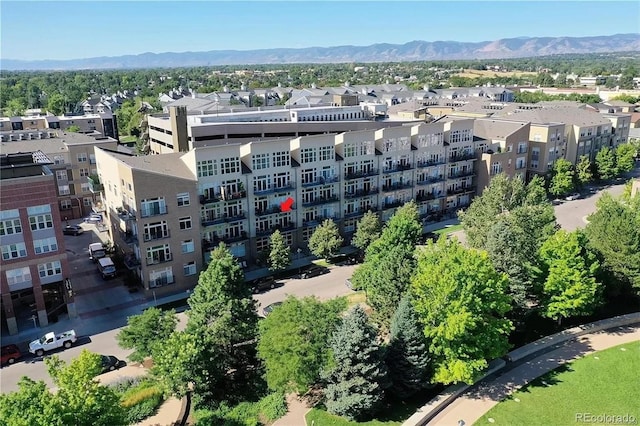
[(474, 403), (296, 415)]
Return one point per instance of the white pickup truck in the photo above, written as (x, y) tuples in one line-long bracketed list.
[(52, 341)]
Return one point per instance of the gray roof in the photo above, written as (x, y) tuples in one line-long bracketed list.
[(55, 145), (170, 164), (560, 114), (490, 128)]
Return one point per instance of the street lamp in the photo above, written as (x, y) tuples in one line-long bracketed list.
[(299, 266)]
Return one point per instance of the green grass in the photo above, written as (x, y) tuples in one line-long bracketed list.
[(393, 415), (605, 382), (322, 262), (448, 229)]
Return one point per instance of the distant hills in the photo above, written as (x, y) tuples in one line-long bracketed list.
[(412, 51)]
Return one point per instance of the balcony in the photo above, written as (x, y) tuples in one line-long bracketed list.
[(397, 168), (289, 226), (124, 214), (430, 179), (159, 282), (160, 257), (270, 189), (361, 193), (268, 211), (94, 184), (228, 196), (229, 239), (320, 181), (131, 261), (320, 200), (152, 236), (425, 197), (128, 237), (462, 157), (210, 199), (234, 216), (461, 174), (318, 220), (361, 174), (457, 191), (392, 204), (430, 163), (360, 212), (154, 210), (211, 220), (397, 185)]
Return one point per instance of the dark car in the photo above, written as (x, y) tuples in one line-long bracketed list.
[(110, 363), (10, 354), (263, 284), (267, 309), (313, 271), (72, 230)]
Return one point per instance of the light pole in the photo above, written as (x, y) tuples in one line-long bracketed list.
[(299, 267)]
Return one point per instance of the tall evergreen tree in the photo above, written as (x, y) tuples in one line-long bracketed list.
[(358, 376), (408, 357)]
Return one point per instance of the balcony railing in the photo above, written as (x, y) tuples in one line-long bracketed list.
[(425, 197), (151, 236), (462, 157), (131, 261), (360, 212), (361, 193), (318, 220), (397, 185), (320, 200), (211, 220), (227, 196), (392, 204), (128, 237), (456, 191), (273, 188), (227, 239), (209, 199), (430, 179), (235, 216), (360, 174), (397, 168), (289, 226), (320, 181), (457, 175), (429, 163), (159, 282), (94, 184), (165, 257), (268, 210), (153, 211)]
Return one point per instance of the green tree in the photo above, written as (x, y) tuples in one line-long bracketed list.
[(357, 376), (562, 177), (178, 363), (569, 287), (625, 157), (584, 175), (367, 230), (614, 233), (294, 342), (14, 107), (407, 355), (56, 104), (144, 331), (606, 164), (279, 252), (326, 240), (461, 301), (31, 405)]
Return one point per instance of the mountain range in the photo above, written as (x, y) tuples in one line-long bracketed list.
[(412, 51)]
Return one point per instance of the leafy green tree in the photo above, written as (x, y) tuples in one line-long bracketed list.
[(625, 157), (569, 287), (73, 129), (357, 376), (144, 331), (326, 240), (562, 177), (461, 301), (614, 233), (14, 107), (31, 405), (294, 342), (279, 252), (584, 174), (183, 360), (56, 104), (606, 164), (407, 358), (367, 231)]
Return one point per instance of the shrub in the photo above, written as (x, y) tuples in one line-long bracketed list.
[(123, 384), (273, 406), (144, 409), (141, 399)]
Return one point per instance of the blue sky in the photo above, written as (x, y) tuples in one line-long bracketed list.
[(80, 29)]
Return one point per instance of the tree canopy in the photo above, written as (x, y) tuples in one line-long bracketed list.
[(146, 330), (606, 164), (562, 177), (279, 252), (367, 231), (326, 240)]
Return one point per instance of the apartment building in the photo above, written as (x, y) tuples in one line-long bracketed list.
[(34, 261), (240, 193), (104, 123), (73, 164)]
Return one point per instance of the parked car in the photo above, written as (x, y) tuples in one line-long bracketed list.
[(72, 230), (314, 271), (96, 251), (263, 284), (94, 218), (111, 363), (107, 268), (269, 308), (52, 341), (10, 354)]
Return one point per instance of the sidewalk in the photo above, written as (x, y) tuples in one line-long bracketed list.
[(297, 410), (474, 403)]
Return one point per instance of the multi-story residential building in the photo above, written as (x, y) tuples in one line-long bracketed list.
[(74, 164), (34, 261), (153, 217), (104, 123), (246, 191)]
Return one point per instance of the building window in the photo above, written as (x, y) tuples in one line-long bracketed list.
[(189, 268), (84, 172), (308, 155), (161, 277), (230, 165), (14, 251), (64, 190), (349, 150), (183, 199), (88, 202), (206, 168), (281, 159), (327, 153), (58, 159), (49, 269), (42, 221), (82, 157), (262, 244), (18, 276), (260, 161), (155, 230), (153, 207), (496, 168), (65, 205), (10, 226), (158, 254), (45, 245), (85, 187), (61, 175), (188, 246), (185, 222)]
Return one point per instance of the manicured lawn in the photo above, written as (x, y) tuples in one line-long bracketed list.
[(394, 415), (604, 383), (448, 229)]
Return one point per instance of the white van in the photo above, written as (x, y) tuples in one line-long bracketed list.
[(106, 267), (96, 251)]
